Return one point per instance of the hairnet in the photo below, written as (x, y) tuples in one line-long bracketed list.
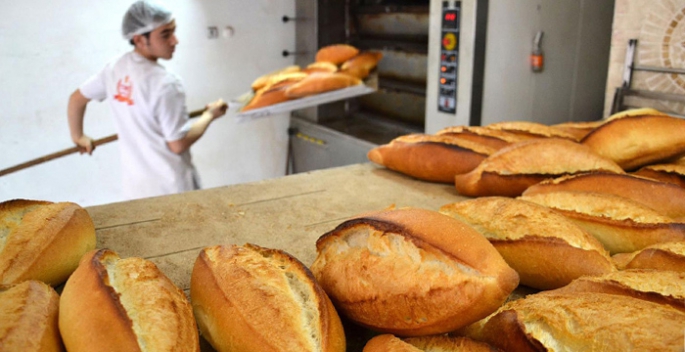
[(142, 17)]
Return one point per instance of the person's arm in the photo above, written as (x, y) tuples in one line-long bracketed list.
[(76, 110), (198, 127)]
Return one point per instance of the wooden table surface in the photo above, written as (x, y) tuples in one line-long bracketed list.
[(288, 213)]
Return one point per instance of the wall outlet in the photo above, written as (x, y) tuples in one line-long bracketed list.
[(212, 32)]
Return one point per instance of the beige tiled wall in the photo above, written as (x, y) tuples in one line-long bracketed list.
[(659, 27)]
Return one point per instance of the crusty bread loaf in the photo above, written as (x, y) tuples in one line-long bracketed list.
[(663, 287), (322, 66), (249, 298), (485, 136), (531, 129), (267, 97), (578, 129), (28, 320), (114, 304), (512, 169), (620, 224), (634, 112), (584, 322), (411, 272), (336, 53), (436, 158), (660, 256), (360, 65), (435, 343), (321, 82), (263, 80), (665, 198), (546, 249), (635, 141), (671, 173), (42, 240)]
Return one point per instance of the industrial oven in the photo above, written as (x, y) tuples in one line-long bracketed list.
[(445, 63)]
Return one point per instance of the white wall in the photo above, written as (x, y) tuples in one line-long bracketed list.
[(47, 48)]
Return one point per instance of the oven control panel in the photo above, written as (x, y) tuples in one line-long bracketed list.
[(449, 57)]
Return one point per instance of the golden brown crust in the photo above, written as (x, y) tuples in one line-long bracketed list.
[(430, 158), (665, 198), (267, 97), (42, 240), (492, 138), (111, 303), (669, 173), (322, 66), (621, 224), (435, 343), (662, 287), (29, 313), (388, 342), (512, 169), (661, 256), (584, 322), (251, 298), (401, 271), (360, 65), (336, 53), (321, 82), (546, 249), (264, 80), (635, 141), (578, 129), (531, 129)]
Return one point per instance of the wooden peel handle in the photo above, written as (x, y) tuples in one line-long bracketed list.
[(71, 150)]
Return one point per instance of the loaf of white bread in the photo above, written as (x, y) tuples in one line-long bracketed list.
[(411, 272), (115, 304), (660, 256), (670, 173), (433, 343), (28, 318), (41, 240), (250, 298), (545, 248)]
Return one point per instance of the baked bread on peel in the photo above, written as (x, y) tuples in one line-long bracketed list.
[(42, 240), (411, 272), (28, 318), (545, 248), (115, 304), (250, 298), (336, 53)]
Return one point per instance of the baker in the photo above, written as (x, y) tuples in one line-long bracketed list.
[(148, 102)]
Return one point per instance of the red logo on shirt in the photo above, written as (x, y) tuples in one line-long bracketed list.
[(124, 91)]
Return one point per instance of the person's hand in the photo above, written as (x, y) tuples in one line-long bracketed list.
[(217, 108), (85, 145)]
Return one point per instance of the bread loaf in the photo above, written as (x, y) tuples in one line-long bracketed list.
[(251, 298), (492, 138), (267, 97), (621, 224), (584, 322), (42, 240), (29, 318), (321, 82), (670, 173), (114, 304), (578, 129), (546, 249), (531, 129), (431, 158), (662, 287), (665, 198), (634, 112), (263, 80), (336, 53), (660, 256), (322, 66), (411, 272), (512, 169), (635, 141), (360, 65), (387, 342)]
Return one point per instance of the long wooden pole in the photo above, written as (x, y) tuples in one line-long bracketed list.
[(71, 150)]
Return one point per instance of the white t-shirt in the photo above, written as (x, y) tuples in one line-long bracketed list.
[(149, 108)]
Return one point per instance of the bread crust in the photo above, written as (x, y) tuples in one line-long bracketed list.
[(635, 141), (512, 169), (430, 158), (263, 80), (532, 130), (29, 313), (267, 97), (662, 256), (42, 240), (620, 224), (252, 298), (492, 138), (336, 53), (584, 322), (665, 198), (435, 343), (669, 173), (578, 129), (321, 82), (360, 65), (114, 304), (407, 272), (546, 249)]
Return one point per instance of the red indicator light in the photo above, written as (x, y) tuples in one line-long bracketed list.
[(443, 68), (450, 16), (442, 81)]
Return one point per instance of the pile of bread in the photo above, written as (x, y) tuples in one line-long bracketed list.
[(336, 66)]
